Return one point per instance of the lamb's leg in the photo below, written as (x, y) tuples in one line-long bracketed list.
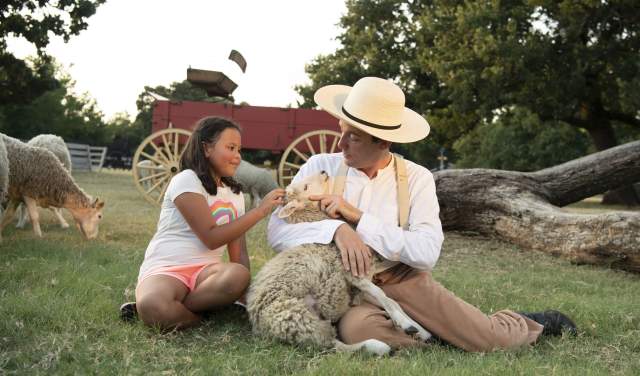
[(291, 320), (397, 315), (371, 345), (58, 214), (7, 217), (32, 208), (22, 215)]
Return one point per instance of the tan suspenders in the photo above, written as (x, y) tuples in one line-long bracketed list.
[(401, 181)]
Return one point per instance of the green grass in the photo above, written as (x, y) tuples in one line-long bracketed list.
[(59, 297)]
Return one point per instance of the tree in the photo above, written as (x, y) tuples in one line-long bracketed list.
[(76, 118), (463, 62), (36, 21), (523, 208), (517, 140)]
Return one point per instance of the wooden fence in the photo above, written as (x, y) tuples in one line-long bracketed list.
[(86, 157)]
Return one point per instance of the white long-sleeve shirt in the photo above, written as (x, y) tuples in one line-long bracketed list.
[(419, 246)]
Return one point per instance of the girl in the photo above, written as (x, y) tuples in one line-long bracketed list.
[(182, 274)]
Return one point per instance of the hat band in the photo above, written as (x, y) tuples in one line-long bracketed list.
[(372, 125)]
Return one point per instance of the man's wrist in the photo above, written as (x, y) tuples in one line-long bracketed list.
[(353, 216)]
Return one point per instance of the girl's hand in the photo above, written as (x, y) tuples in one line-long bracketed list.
[(271, 200)]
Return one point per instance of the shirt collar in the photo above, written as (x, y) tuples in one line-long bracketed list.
[(388, 169)]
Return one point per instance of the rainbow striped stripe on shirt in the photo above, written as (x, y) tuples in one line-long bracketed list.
[(223, 211)]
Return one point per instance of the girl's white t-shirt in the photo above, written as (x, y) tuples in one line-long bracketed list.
[(175, 243)]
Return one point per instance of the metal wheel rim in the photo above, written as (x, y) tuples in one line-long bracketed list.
[(152, 181), (293, 158)]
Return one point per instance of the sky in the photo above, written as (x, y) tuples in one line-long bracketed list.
[(132, 44)]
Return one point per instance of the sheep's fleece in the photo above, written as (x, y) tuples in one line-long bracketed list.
[(56, 145), (299, 293), (4, 172)]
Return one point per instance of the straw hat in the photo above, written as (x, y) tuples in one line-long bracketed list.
[(375, 106)]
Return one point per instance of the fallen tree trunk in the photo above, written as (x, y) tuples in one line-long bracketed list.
[(524, 208)]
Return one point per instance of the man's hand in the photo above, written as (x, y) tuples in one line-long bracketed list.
[(356, 256), (336, 207)]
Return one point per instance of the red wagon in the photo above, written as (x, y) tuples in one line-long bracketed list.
[(294, 133)]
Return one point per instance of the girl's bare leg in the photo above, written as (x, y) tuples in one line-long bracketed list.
[(159, 302), (218, 285)]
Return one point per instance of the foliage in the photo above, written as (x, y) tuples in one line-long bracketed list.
[(60, 297), (517, 140), (74, 117), (462, 62), (36, 21)]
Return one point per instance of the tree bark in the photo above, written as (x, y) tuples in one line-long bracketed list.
[(604, 138), (524, 208)]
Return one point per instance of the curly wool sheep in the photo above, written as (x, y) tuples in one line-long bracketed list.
[(37, 177), (298, 294), (4, 172), (255, 181), (58, 147)]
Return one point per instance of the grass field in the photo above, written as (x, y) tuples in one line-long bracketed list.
[(59, 299)]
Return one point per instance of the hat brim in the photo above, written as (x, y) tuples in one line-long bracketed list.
[(413, 127)]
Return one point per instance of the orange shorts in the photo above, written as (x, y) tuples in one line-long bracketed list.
[(187, 274)]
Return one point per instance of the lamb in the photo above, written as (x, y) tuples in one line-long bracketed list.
[(297, 295), (37, 177), (256, 181), (58, 147)]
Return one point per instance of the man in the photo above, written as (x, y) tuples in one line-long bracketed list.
[(371, 117)]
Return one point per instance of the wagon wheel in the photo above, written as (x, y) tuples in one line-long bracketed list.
[(157, 160), (296, 154)]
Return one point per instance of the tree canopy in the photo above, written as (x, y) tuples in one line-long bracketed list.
[(36, 21), (60, 111), (463, 63)]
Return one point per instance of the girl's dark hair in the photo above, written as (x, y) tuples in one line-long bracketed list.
[(207, 130)]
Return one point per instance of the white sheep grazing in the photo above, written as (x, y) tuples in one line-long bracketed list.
[(58, 147), (255, 181), (37, 177), (299, 293)]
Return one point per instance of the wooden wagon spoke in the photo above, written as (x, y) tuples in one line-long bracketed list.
[(164, 189), (181, 152), (167, 147), (165, 152), (309, 146), (159, 153), (149, 156), (157, 184), (292, 165), (323, 143), (334, 144), (153, 176), (293, 158), (176, 145), (152, 167), (300, 154)]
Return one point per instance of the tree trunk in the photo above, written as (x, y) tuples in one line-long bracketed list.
[(524, 208), (604, 138)]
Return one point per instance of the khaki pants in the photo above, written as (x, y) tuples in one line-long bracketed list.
[(437, 310)]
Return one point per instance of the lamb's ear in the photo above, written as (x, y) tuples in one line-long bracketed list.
[(97, 203), (289, 208)]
